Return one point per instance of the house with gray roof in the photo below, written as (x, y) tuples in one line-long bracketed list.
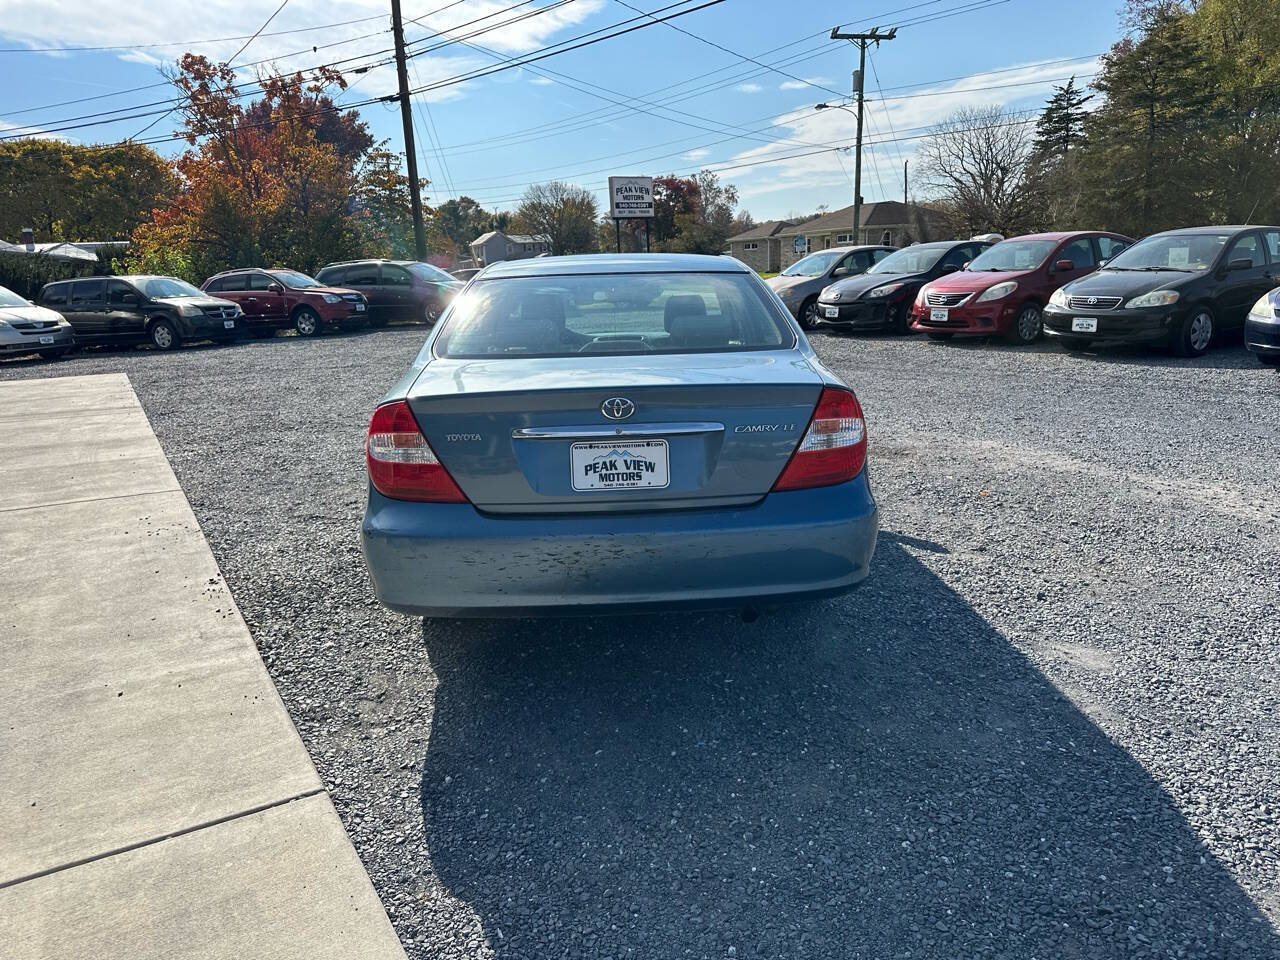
[(496, 246), (759, 247), (889, 222)]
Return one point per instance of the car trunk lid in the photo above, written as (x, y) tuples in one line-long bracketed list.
[(531, 435)]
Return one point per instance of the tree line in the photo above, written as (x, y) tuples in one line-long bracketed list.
[(1181, 127)]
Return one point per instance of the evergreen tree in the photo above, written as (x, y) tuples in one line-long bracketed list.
[(1061, 125)]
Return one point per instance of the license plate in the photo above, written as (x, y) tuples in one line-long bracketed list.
[(46, 339), (938, 316), (830, 312), (619, 466), (1084, 324), (229, 324), (359, 308)]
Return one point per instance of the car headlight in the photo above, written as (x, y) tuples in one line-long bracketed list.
[(1156, 298), (884, 291), (3, 324), (1059, 298), (189, 310), (1263, 310), (332, 298), (920, 297), (998, 292)]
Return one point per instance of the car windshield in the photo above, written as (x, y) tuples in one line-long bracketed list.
[(814, 265), (910, 260), (292, 278), (561, 316), (10, 299), (1014, 255), (1172, 251), (425, 271), (163, 287)]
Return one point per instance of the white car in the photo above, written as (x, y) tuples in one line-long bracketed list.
[(26, 328)]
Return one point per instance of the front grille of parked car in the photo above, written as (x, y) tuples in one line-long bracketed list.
[(33, 327), (220, 313), (353, 297), (1093, 303), (946, 299)]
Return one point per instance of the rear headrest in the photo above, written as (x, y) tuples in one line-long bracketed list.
[(683, 305), (689, 330), (548, 307)]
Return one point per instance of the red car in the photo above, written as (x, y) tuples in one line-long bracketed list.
[(1003, 290), (275, 299)]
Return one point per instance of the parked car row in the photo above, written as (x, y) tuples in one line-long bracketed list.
[(1177, 289), (166, 311)]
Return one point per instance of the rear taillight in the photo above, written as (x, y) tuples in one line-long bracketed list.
[(401, 463), (834, 448)]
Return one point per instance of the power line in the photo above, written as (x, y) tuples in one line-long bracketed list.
[(245, 45)]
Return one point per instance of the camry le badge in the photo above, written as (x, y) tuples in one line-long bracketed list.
[(617, 408)]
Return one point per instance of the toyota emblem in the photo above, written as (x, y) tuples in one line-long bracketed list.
[(1092, 301), (836, 295), (617, 408)]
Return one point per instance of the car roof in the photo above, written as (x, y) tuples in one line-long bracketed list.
[(1059, 235), (1225, 228), (614, 263)]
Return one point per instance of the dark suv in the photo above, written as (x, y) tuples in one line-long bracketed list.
[(275, 299), (396, 289), (136, 308)]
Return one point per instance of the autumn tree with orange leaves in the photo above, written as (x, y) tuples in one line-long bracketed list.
[(289, 179)]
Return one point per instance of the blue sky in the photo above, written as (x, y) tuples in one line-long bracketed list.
[(653, 101)]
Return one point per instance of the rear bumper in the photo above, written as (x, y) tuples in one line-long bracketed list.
[(1115, 326), (450, 560)]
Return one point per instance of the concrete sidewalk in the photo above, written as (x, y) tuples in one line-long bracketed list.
[(155, 799)]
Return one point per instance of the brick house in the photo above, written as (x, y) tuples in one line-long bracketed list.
[(759, 247), (889, 222)]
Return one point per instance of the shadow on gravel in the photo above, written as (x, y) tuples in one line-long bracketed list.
[(880, 776)]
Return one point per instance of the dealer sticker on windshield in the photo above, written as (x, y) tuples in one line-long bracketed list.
[(619, 466)]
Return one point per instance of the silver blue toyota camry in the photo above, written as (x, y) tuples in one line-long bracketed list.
[(600, 434)]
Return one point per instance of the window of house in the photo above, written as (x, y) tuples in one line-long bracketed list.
[(844, 238), (751, 246)]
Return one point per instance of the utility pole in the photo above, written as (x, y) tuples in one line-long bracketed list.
[(874, 36), (406, 118)]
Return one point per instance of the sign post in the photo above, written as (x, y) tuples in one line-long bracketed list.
[(630, 198)]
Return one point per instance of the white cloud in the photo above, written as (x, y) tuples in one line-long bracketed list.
[(748, 88), (805, 83), (697, 154), (907, 116), (75, 23), (538, 81)]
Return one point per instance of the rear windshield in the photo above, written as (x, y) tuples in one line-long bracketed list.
[(612, 313)]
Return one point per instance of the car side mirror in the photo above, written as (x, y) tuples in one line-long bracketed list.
[(1102, 263), (1064, 265), (274, 288), (950, 268), (1241, 263), (130, 298), (840, 272)]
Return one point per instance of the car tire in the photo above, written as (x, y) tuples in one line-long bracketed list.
[(431, 311), (163, 335), (1074, 344), (808, 313), (306, 322), (1196, 333), (940, 336), (1027, 325), (262, 333)]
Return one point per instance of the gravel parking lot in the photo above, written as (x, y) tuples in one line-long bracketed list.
[(1047, 727)]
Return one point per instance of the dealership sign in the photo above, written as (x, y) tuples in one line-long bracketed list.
[(801, 243), (630, 197)]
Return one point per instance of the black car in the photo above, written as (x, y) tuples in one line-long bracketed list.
[(880, 299), (132, 309), (1262, 328), (1175, 289), (395, 289)]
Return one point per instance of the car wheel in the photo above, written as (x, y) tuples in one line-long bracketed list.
[(163, 335), (431, 312), (306, 322), (263, 333), (940, 336), (808, 313), (1026, 325), (1196, 333), (1269, 359), (1074, 343)]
